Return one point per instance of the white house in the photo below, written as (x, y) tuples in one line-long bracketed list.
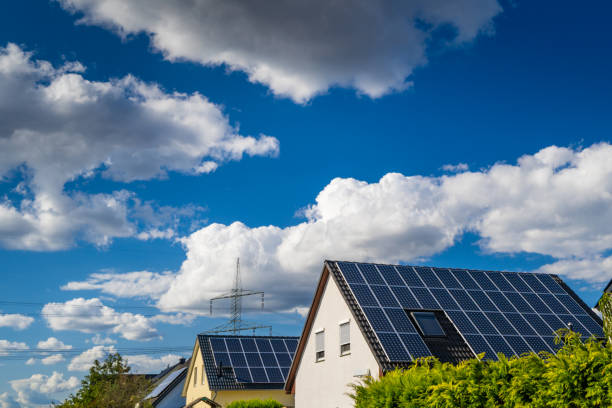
[(367, 319)]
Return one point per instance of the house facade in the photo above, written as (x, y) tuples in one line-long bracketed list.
[(224, 369), (367, 319)]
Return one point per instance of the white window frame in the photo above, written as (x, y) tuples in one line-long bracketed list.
[(203, 382), (345, 344), (320, 348)]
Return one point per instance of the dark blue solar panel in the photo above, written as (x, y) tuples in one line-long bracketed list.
[(464, 300), (553, 321), (465, 279), (594, 327), (428, 277), (291, 345), (482, 300), (447, 278), (242, 374), (500, 322), (377, 319), (483, 281), (248, 345), (520, 324), (534, 283), (371, 274), (414, 343), (499, 345), (233, 345), (384, 296), (410, 277), (393, 347), (222, 359), (480, 321), (275, 375), (253, 359), (536, 303), (501, 302), (285, 371), (405, 297), (400, 321), (238, 360), (364, 295), (264, 345), (269, 360), (500, 282), (518, 302), (576, 326), (550, 283), (571, 305), (479, 345), (539, 325), (350, 272), (284, 360), (537, 344), (461, 322), (445, 299), (425, 298), (519, 345), (554, 305), (217, 344), (551, 342), (259, 375), (390, 275), (516, 281), (278, 345)]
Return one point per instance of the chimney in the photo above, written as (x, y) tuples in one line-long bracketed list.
[(181, 360)]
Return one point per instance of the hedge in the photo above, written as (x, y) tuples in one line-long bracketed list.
[(256, 403), (579, 375)]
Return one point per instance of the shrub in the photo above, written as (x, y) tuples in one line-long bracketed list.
[(579, 375), (256, 403)]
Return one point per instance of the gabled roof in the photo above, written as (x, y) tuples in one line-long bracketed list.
[(167, 380), (246, 362), (491, 312)]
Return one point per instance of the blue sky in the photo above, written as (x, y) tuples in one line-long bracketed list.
[(143, 149)]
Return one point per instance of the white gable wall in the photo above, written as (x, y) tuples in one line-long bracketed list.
[(324, 384)]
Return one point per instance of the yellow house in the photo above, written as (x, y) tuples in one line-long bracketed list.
[(224, 369)]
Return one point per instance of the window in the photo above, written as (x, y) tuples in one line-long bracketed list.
[(195, 376), (203, 376), (428, 324), (320, 345), (345, 338)]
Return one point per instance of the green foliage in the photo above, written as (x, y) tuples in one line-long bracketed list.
[(579, 375), (255, 403), (605, 307), (109, 384)]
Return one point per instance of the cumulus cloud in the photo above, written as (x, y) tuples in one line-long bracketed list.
[(145, 364), (8, 401), (7, 346), (297, 49), (16, 321), (91, 316), (52, 359), (141, 283), (54, 344), (39, 388), (98, 340), (122, 129), (85, 360)]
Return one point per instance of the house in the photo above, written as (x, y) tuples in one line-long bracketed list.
[(367, 319), (229, 368), (168, 386)]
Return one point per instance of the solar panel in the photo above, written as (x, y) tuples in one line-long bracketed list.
[(254, 359), (162, 386), (505, 312)]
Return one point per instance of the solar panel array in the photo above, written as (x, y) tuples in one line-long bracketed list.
[(505, 312), (162, 386), (255, 359)]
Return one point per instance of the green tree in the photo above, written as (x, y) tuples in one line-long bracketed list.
[(109, 384), (255, 403), (605, 307)]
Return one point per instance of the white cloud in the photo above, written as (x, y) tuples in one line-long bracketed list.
[(117, 129), (91, 316), (98, 340), (54, 344), (141, 283), (7, 346), (39, 388), (176, 319), (31, 361), (52, 359), (8, 401), (85, 360), (145, 364), (455, 168), (16, 321), (557, 202), (297, 49)]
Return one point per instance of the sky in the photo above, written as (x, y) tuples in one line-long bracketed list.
[(145, 145)]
